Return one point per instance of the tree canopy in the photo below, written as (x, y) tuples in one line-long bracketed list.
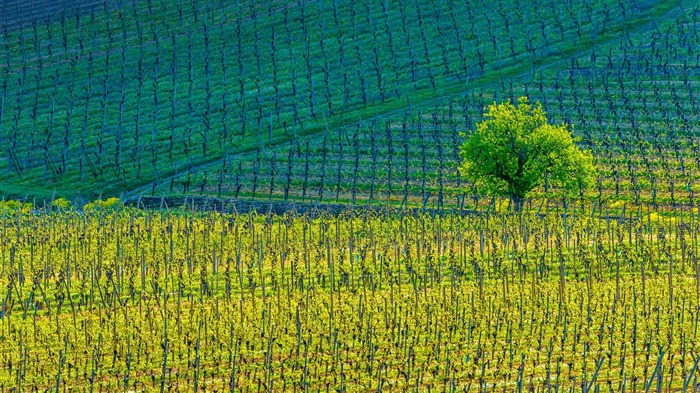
[(514, 149)]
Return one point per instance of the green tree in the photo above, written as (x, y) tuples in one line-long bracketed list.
[(514, 149)]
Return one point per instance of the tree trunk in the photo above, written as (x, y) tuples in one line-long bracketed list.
[(518, 201)]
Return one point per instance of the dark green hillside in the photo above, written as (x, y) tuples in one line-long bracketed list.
[(145, 96), (633, 100), (18, 14)]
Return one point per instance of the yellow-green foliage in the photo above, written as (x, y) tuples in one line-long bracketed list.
[(362, 298), (616, 204), (61, 204), (108, 204), (501, 205), (656, 218), (12, 207)]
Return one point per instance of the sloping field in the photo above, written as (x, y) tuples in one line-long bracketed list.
[(123, 100), (632, 100)]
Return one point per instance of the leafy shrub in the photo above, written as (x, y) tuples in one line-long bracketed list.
[(61, 204), (102, 205), (12, 207)]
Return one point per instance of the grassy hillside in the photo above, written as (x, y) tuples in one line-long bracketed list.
[(632, 100), (147, 95)]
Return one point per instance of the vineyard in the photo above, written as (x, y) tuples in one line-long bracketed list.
[(634, 104), (152, 97), (133, 300), (265, 196)]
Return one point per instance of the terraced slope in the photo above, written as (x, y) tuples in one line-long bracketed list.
[(134, 98)]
